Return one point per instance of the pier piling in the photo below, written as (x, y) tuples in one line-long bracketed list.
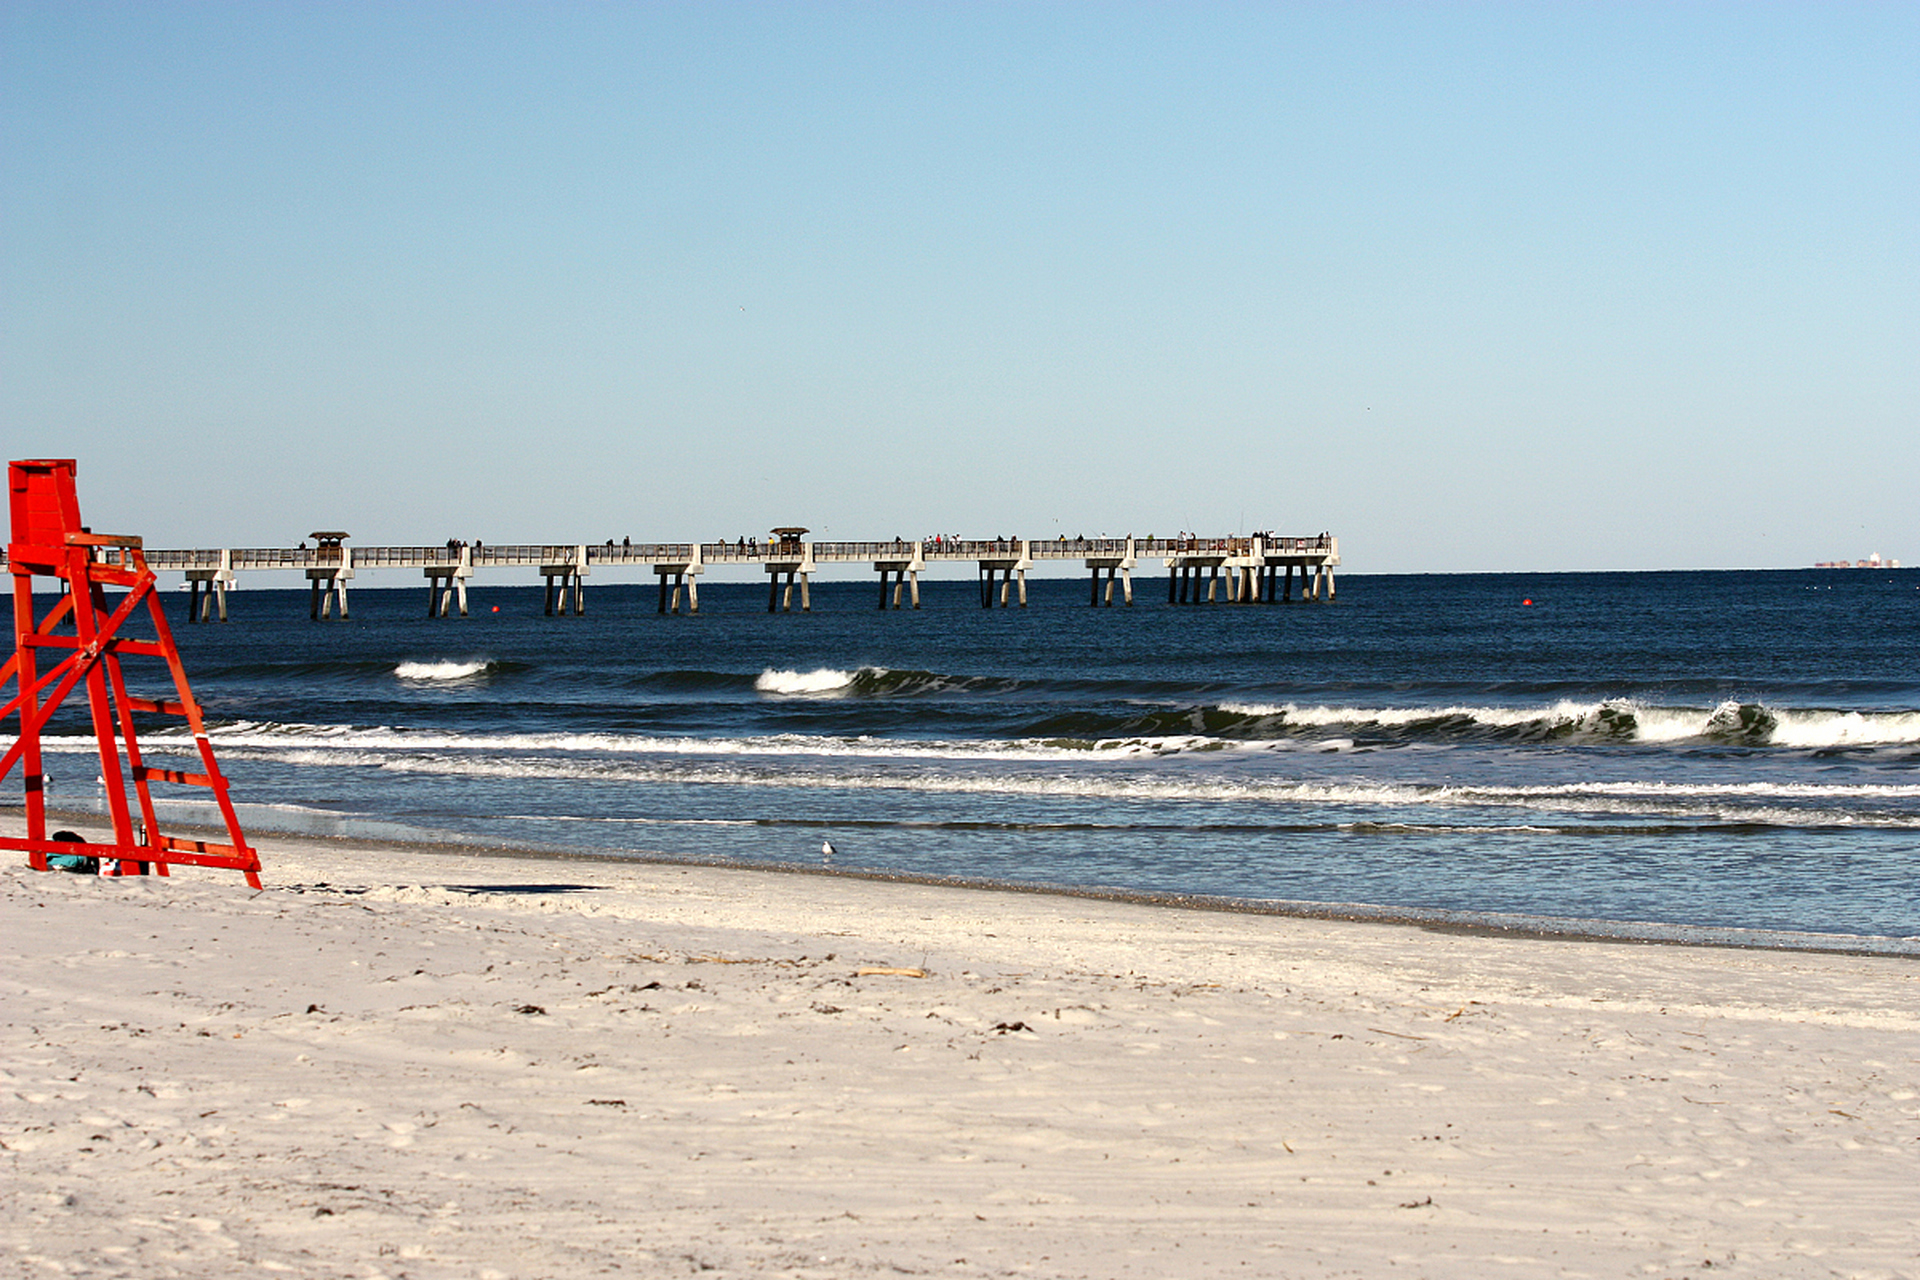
[(565, 579), (328, 581), (447, 581)]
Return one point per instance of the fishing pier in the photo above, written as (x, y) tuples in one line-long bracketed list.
[(1239, 570)]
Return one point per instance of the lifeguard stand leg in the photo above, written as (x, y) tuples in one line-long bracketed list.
[(28, 677)]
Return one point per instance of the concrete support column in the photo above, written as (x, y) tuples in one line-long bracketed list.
[(439, 589), (780, 594), (461, 572), (324, 585), (899, 572), (672, 579)]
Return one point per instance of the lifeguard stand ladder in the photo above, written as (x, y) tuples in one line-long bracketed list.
[(49, 541)]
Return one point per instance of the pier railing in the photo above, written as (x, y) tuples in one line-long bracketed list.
[(648, 554)]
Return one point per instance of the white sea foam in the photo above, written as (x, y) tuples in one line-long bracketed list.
[(1651, 805), (1330, 717), (446, 669), (1845, 728), (1675, 724), (821, 680), (1790, 790), (1805, 729), (814, 763), (315, 742), (1031, 769), (321, 744)]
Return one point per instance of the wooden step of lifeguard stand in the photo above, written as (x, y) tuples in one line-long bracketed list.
[(49, 541)]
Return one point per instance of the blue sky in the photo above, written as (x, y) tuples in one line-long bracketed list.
[(1476, 286)]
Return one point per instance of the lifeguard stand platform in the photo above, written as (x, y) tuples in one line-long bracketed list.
[(49, 541)]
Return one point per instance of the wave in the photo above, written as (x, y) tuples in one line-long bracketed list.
[(1621, 720), (279, 739), (822, 680), (1845, 729), (445, 669), (877, 682), (295, 669), (1128, 733), (1137, 713), (1030, 770)]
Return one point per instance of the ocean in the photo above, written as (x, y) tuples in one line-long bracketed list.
[(1696, 754)]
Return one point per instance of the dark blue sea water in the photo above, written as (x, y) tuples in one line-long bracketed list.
[(1727, 749)]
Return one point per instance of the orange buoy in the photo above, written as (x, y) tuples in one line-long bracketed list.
[(1528, 600)]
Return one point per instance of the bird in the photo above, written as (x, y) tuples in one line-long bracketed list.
[(826, 851)]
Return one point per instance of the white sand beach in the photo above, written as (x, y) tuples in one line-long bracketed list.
[(404, 1063)]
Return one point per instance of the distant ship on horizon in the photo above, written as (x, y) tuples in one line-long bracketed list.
[(1871, 562)]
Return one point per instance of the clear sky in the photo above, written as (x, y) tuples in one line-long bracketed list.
[(1475, 286)]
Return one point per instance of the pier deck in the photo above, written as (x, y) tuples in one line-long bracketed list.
[(1251, 569), (649, 554)]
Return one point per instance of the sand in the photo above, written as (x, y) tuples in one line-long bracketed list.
[(399, 1063)]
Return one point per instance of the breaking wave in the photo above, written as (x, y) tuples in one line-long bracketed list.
[(447, 669), (1619, 720), (875, 682), (1118, 731)]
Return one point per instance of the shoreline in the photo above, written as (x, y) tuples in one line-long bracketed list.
[(1491, 924)]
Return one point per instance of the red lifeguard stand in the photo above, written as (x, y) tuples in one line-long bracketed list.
[(49, 541)]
